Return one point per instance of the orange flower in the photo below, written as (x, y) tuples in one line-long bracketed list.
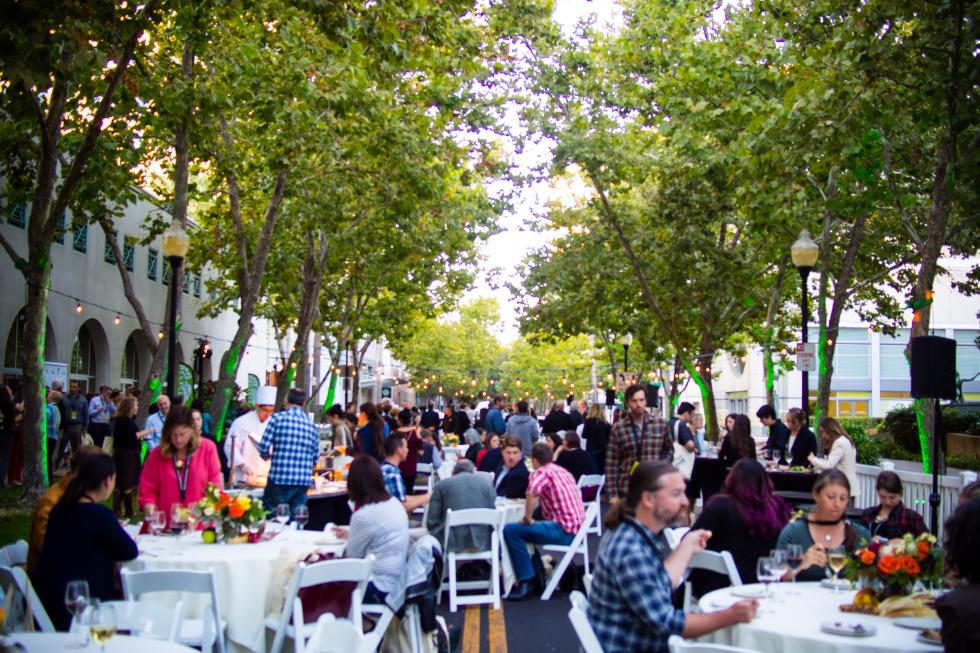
[(888, 564), (867, 558), (923, 548), (236, 511), (910, 565)]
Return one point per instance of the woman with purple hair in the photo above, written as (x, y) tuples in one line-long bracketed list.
[(745, 519)]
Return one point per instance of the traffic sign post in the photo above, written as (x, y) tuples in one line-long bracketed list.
[(806, 356)]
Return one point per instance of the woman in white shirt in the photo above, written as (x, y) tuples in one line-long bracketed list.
[(842, 453), (379, 525)]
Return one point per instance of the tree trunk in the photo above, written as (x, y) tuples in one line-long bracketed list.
[(32, 366), (769, 367)]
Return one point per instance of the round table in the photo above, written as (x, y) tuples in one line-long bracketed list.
[(792, 623), (245, 575), (59, 642)]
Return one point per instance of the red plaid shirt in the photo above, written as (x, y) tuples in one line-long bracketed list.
[(561, 500)]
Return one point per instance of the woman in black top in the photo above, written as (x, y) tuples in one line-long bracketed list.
[(745, 520), (738, 443), (84, 541), (573, 459), (126, 455), (596, 431), (802, 442)]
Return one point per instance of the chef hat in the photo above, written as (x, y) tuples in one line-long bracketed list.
[(266, 396)]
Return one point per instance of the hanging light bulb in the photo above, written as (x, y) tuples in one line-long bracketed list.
[(78, 308), (160, 334), (116, 320)]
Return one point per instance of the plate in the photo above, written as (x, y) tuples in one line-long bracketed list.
[(925, 640), (843, 583), (748, 591), (918, 623), (848, 628)]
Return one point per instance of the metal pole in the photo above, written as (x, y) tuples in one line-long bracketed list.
[(805, 305), (626, 358), (934, 498), (175, 263)]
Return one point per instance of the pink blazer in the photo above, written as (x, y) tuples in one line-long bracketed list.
[(158, 481)]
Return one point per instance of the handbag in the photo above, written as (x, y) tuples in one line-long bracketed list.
[(683, 459)]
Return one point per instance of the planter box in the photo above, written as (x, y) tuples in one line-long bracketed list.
[(961, 444)]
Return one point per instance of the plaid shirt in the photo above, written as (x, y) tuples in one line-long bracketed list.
[(630, 607), (561, 500), (630, 444), (393, 480), (900, 521), (295, 445)]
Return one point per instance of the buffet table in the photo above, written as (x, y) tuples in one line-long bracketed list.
[(709, 474), (782, 625), (328, 504)]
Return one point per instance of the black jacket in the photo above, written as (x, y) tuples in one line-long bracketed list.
[(778, 436), (557, 420), (514, 485), (430, 420), (805, 444), (492, 461)]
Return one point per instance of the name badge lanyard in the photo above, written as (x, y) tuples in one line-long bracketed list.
[(182, 471)]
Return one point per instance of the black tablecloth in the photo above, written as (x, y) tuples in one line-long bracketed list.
[(326, 509), (708, 477)]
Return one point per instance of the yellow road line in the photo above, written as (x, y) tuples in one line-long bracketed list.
[(471, 630), (498, 631)]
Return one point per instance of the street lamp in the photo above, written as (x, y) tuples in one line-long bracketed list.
[(176, 242), (626, 340), (805, 253)]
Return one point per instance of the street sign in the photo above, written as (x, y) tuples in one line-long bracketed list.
[(625, 380), (806, 356)]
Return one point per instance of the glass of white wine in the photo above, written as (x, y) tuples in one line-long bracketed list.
[(837, 560), (101, 623)]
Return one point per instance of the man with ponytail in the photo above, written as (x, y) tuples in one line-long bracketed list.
[(630, 606)]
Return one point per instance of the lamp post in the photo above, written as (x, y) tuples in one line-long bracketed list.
[(805, 253), (176, 242), (626, 340)]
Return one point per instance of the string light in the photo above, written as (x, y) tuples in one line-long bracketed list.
[(78, 308), (160, 334), (116, 320)]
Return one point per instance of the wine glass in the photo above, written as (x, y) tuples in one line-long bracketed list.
[(178, 522), (101, 620), (780, 565), (76, 600), (158, 521), (301, 515), (283, 511), (837, 560), (794, 558), (764, 571)]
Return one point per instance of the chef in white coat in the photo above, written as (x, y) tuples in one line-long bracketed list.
[(241, 444)]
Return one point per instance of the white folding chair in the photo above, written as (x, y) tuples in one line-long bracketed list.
[(14, 555), (492, 519), (486, 475), (150, 620), (677, 644), (426, 469), (587, 581), (674, 535), (14, 579), (579, 546), (597, 481), (328, 571), (333, 635), (204, 632), (721, 563), (579, 617)]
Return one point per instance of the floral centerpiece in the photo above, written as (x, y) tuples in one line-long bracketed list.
[(235, 519), (451, 440), (887, 568)]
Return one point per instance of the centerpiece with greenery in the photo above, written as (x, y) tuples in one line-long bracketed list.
[(232, 519), (888, 568)]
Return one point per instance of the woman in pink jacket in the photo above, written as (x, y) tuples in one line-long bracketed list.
[(179, 470)]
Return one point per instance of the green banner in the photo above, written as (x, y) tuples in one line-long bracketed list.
[(253, 389), (185, 383)]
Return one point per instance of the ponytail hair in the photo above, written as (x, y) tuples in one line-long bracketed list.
[(93, 470), (645, 478)]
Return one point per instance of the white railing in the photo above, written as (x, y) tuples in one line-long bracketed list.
[(916, 488)]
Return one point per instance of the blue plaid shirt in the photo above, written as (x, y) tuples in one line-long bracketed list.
[(630, 607), (393, 480), (295, 445)]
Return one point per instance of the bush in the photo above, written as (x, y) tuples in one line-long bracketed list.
[(963, 462), (900, 425)]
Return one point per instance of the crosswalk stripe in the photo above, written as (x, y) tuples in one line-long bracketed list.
[(498, 630), (471, 630)]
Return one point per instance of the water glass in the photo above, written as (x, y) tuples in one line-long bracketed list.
[(780, 566), (301, 515), (76, 600), (158, 521), (765, 572), (283, 512)]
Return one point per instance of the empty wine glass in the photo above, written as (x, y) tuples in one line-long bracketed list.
[(76, 600), (282, 513), (780, 565), (301, 515), (158, 521), (101, 621), (765, 572)]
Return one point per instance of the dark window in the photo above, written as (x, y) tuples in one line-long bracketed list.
[(152, 256), (80, 238), (129, 253), (18, 216), (187, 283), (109, 257), (197, 286), (62, 225)]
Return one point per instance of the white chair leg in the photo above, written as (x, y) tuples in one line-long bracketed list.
[(452, 583), (556, 575), (495, 579)]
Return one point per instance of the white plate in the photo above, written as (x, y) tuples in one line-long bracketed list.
[(843, 583), (918, 623), (848, 628), (748, 591), (925, 640)]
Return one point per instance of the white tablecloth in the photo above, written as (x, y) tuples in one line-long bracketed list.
[(794, 625), (59, 642), (244, 574)]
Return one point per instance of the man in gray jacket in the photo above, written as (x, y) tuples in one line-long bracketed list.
[(462, 491), (524, 427)]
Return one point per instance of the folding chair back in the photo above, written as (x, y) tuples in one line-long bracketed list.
[(579, 546), (720, 563), (486, 475), (333, 635), (589, 483), (674, 535), (492, 519), (579, 617), (15, 583), (14, 555), (194, 632)]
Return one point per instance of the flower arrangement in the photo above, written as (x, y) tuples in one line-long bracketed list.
[(893, 567), (229, 515), (451, 440)]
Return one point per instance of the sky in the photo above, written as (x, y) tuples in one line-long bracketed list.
[(504, 252)]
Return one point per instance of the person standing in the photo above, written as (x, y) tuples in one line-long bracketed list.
[(154, 423), (372, 432), (562, 514), (430, 418), (414, 448), (126, 456), (630, 606), (74, 420), (523, 427), (494, 422), (292, 441), (557, 420), (242, 442), (802, 442), (52, 418), (595, 432), (341, 434), (842, 454), (778, 442), (635, 438), (101, 411)]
